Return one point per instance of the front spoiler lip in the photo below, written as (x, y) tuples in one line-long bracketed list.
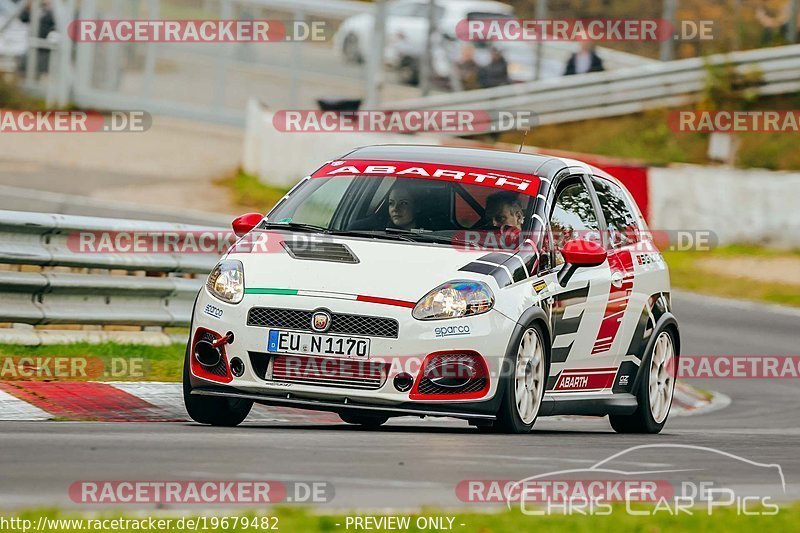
[(319, 405)]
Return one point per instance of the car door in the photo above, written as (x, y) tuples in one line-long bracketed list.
[(638, 283), (577, 309)]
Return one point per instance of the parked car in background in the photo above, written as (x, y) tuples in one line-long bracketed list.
[(14, 39), (406, 39)]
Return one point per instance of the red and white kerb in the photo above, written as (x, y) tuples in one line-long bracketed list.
[(509, 181)]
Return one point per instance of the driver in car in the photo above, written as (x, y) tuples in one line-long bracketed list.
[(403, 207)]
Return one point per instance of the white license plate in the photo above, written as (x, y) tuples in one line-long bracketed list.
[(280, 341)]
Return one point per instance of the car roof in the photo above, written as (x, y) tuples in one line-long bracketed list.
[(543, 166), (466, 6)]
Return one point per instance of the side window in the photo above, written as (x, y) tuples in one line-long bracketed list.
[(573, 217), (620, 219)]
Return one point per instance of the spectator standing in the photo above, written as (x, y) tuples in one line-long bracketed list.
[(468, 69), (495, 73), (771, 26), (584, 60)]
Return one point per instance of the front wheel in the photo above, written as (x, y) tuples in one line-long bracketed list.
[(215, 411), (656, 390), (524, 387)]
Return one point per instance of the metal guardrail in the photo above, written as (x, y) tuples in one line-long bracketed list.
[(620, 92), (109, 292)]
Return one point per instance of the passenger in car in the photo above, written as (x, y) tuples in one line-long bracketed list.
[(504, 209)]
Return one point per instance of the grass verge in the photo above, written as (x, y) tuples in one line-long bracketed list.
[(95, 362), (304, 520), (649, 138), (248, 192), (685, 273), (12, 97)]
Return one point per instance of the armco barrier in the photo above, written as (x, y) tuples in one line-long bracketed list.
[(59, 284), (621, 92)]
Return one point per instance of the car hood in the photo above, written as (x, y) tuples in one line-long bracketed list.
[(395, 270)]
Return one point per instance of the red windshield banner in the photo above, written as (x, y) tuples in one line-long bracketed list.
[(509, 181)]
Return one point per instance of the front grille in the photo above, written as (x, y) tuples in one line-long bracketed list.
[(427, 386), (342, 324), (328, 372), (455, 368), (320, 251)]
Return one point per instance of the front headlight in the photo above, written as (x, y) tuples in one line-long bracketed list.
[(454, 299), (226, 281)]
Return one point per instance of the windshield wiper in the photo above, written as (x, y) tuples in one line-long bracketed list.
[(369, 233), (299, 226), (413, 235)]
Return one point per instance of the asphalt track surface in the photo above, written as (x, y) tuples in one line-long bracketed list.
[(410, 463)]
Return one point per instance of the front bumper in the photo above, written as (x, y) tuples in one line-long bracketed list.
[(484, 410), (486, 334)]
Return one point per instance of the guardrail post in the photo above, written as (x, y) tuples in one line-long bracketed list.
[(667, 52), (218, 98), (297, 61), (32, 60), (375, 58), (791, 27), (541, 14)]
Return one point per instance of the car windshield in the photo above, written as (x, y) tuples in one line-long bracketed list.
[(396, 208)]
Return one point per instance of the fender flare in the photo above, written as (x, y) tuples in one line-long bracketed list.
[(531, 315), (666, 320)]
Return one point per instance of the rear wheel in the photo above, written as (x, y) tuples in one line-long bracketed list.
[(216, 411), (656, 389), (359, 419), (525, 386)]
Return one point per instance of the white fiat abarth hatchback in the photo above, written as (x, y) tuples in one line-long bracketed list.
[(403, 280)]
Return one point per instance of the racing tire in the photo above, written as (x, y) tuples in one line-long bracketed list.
[(350, 49), (367, 421), (211, 410), (525, 383), (655, 390)]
